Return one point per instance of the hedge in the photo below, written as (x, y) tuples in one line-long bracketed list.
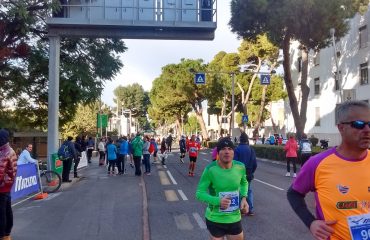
[(277, 153), (271, 152)]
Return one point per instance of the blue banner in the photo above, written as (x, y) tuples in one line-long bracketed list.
[(26, 181)]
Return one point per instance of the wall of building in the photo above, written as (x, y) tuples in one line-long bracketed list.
[(349, 60)]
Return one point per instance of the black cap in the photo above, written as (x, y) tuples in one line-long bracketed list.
[(243, 137), (4, 137), (224, 142)]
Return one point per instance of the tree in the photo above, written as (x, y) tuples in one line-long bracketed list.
[(85, 64), (177, 82), (84, 121), (134, 98), (192, 125), (260, 52), (173, 106), (307, 21)]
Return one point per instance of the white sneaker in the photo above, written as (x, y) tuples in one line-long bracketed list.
[(294, 175), (287, 174)]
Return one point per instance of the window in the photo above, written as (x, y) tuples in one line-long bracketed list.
[(317, 86), (300, 64), (363, 36), (316, 59), (364, 74), (317, 117), (338, 77)]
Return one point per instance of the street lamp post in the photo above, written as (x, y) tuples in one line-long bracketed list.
[(337, 75), (232, 101)]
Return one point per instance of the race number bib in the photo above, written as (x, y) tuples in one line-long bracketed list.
[(192, 150), (359, 226), (234, 197)]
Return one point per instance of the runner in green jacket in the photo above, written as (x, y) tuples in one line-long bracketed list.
[(223, 186)]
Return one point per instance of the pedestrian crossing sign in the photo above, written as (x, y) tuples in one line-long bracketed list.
[(265, 79), (200, 78)]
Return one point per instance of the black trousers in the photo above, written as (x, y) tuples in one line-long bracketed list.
[(121, 161), (89, 154), (6, 215), (293, 160), (76, 162), (304, 158), (137, 162), (67, 164)]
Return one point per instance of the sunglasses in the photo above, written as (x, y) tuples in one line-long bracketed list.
[(358, 124)]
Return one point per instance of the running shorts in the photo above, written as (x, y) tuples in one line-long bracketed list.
[(193, 159), (222, 229)]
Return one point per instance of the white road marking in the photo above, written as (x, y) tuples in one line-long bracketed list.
[(268, 184), (171, 177), (182, 194), (199, 220), (204, 153), (183, 222), (206, 160)]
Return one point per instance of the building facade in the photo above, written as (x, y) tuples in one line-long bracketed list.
[(327, 89)]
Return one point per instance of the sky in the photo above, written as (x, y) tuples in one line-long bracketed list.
[(144, 59)]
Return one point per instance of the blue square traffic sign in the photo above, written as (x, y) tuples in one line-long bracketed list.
[(245, 118), (200, 78), (265, 79)]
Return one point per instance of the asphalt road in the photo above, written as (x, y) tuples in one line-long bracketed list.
[(158, 207)]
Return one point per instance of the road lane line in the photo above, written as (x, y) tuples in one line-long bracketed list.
[(183, 222), (163, 178), (268, 184), (146, 231), (204, 153), (182, 194), (171, 177), (199, 220), (206, 160), (171, 195)]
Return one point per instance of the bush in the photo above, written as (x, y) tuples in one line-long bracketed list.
[(314, 140), (211, 144), (277, 153), (271, 152)]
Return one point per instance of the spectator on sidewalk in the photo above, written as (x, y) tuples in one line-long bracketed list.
[(101, 148), (155, 153), (8, 172), (90, 149), (137, 152), (245, 154), (146, 155), (305, 149), (122, 155), (25, 156), (111, 156), (77, 159), (291, 148), (67, 152)]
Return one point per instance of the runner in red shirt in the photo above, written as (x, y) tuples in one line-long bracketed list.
[(193, 148)]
